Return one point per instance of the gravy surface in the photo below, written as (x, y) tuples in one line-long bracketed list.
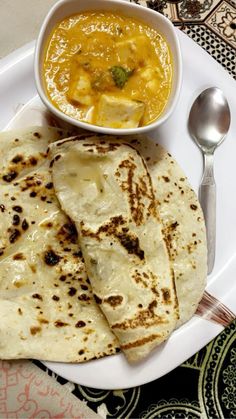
[(108, 69)]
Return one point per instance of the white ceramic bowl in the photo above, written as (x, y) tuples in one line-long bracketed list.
[(65, 8)]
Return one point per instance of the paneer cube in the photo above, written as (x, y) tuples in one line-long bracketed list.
[(133, 52), (149, 72), (118, 112), (152, 76), (80, 89)]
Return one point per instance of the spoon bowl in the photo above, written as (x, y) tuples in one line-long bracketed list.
[(208, 124), (209, 119)]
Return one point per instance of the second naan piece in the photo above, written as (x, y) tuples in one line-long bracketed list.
[(47, 309), (183, 225), (106, 190)]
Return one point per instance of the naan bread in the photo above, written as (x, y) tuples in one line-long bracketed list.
[(24, 150), (183, 225), (34, 323), (47, 309), (106, 190)]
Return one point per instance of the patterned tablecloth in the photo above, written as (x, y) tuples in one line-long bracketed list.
[(203, 386)]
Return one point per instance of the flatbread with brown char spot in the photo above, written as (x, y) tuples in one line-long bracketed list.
[(45, 296), (47, 309), (183, 225), (105, 188)]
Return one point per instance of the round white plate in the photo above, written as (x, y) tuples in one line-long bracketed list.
[(17, 88)]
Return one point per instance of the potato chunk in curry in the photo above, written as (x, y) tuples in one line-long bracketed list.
[(108, 69)]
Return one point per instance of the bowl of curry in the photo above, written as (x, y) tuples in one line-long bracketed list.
[(108, 66)]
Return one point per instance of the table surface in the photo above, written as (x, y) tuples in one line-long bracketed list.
[(20, 22), (208, 379)]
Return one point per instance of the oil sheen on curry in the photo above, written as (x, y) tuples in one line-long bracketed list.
[(107, 69)]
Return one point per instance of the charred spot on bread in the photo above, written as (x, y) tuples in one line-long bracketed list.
[(51, 258), (35, 329), (17, 208), (80, 323), (14, 235), (113, 300), (10, 176)]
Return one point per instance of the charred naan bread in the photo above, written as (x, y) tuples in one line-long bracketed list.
[(105, 188), (22, 151), (183, 225), (47, 309)]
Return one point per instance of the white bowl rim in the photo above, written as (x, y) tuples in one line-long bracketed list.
[(96, 128)]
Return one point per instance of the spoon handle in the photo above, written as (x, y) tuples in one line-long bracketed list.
[(207, 198)]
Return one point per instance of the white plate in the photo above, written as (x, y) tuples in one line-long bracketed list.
[(200, 71)]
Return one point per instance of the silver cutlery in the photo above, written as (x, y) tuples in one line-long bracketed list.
[(209, 122)]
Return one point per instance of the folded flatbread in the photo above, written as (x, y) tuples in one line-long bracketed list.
[(183, 225), (105, 188), (45, 295), (47, 309), (182, 219)]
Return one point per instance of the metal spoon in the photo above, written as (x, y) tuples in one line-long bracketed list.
[(209, 122)]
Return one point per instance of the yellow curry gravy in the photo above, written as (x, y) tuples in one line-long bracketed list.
[(108, 69)]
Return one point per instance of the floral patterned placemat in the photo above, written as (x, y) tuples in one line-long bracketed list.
[(210, 23)]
